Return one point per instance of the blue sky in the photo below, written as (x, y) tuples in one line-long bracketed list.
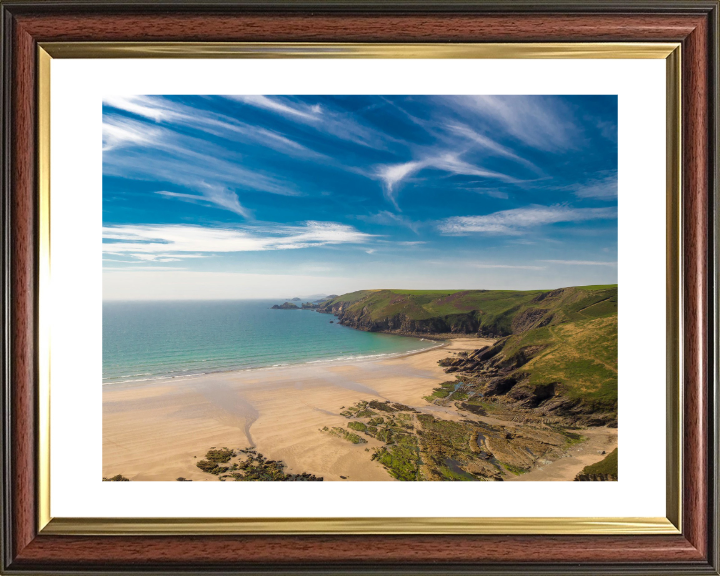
[(275, 196)]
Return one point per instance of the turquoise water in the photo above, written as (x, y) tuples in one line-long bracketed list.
[(154, 340)]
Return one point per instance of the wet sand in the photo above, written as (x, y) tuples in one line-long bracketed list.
[(158, 431)]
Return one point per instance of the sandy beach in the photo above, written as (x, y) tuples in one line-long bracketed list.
[(159, 430)]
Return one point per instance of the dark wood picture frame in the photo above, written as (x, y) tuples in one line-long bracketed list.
[(693, 23)]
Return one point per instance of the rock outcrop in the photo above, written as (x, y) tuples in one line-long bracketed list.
[(419, 446), (286, 306), (401, 323), (489, 374), (596, 477)]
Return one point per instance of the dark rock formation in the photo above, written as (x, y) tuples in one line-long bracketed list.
[(249, 465), (117, 478), (400, 323), (286, 306), (596, 478), (530, 318), (473, 409), (492, 374)]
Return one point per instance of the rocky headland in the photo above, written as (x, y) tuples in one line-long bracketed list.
[(555, 355), (286, 306)]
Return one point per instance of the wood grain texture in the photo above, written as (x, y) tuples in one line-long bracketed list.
[(696, 187), (660, 554), (22, 292), (358, 28), (210, 551)]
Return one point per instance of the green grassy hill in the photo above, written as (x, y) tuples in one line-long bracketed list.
[(579, 358), (487, 312), (557, 349)]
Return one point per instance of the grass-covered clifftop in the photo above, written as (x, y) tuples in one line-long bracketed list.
[(556, 351), (486, 312)]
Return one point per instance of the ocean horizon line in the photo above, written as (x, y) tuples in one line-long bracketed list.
[(313, 297)]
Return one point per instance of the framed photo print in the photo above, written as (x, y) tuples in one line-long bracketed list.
[(296, 287)]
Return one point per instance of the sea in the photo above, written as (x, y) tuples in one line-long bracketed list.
[(145, 341)]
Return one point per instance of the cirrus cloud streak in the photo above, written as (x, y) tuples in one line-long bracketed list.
[(518, 220), (160, 241)]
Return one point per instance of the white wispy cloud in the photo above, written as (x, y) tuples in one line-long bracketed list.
[(603, 187), (120, 132), (150, 257), (387, 218), (467, 264), (492, 192), (339, 124), (545, 123), (213, 196), (159, 242), (608, 130), (158, 257), (581, 262), (452, 163), (116, 261), (139, 152), (490, 145), (510, 266), (140, 268), (393, 174), (281, 106), (169, 112), (517, 220), (152, 107)]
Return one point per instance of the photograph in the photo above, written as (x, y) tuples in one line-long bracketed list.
[(360, 288)]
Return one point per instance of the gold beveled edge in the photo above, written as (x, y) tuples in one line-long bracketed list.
[(43, 174), (674, 398), (588, 526), (290, 526), (563, 50)]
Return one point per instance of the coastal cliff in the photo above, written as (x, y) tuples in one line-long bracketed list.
[(555, 357), (406, 313), (485, 313)]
